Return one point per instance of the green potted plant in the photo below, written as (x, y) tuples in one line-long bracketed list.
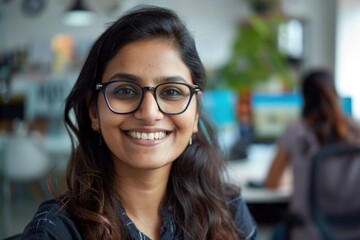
[(255, 57), (255, 60)]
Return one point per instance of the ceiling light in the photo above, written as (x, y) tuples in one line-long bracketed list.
[(78, 15)]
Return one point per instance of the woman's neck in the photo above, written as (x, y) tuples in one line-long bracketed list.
[(142, 193)]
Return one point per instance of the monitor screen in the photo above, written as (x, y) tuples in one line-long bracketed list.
[(271, 113), (346, 103), (219, 106)]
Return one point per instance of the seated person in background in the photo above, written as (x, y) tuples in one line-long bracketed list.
[(145, 162), (322, 123)]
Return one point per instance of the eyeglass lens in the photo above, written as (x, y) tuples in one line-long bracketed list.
[(125, 97)]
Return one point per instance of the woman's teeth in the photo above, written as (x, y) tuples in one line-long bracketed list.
[(147, 136)]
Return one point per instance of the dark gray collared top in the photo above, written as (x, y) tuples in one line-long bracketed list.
[(51, 221)]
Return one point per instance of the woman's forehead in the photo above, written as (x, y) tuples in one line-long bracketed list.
[(148, 60)]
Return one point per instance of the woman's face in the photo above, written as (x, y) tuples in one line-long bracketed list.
[(149, 63)]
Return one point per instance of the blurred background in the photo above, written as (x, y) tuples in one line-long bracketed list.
[(254, 52)]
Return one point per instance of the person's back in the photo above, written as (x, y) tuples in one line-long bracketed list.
[(333, 197), (322, 123)]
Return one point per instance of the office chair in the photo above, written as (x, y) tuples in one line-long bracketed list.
[(23, 161), (14, 237), (334, 197)]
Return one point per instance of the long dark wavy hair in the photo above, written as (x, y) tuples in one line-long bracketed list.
[(322, 108), (196, 185)]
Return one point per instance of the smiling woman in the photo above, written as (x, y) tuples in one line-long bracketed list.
[(145, 162)]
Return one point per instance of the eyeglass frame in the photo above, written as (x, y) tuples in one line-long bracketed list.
[(194, 89)]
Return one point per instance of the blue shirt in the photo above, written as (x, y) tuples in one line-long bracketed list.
[(52, 221)]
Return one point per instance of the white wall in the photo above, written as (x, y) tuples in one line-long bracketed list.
[(319, 17), (348, 51), (212, 22)]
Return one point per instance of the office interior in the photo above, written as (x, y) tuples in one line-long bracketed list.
[(41, 55)]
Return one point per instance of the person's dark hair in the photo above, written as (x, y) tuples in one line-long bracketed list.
[(322, 109), (196, 186)]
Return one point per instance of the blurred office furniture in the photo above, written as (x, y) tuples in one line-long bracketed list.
[(45, 100), (13, 108), (36, 147), (23, 160), (334, 196), (266, 205), (23, 164)]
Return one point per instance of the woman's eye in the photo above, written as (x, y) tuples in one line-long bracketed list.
[(124, 92), (171, 92)]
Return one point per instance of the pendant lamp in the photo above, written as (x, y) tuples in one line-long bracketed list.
[(78, 15)]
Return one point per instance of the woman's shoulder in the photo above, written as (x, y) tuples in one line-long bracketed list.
[(354, 125), (297, 125), (51, 221), (295, 130), (242, 217)]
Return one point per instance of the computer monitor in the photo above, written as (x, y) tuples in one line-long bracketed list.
[(219, 106), (346, 103), (271, 113)]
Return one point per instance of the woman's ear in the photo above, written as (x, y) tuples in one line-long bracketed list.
[(94, 117), (196, 124), (199, 98)]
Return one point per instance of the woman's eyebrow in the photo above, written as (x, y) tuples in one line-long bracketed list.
[(125, 76), (134, 78), (176, 78)]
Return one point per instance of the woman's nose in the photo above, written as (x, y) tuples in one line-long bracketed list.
[(149, 110)]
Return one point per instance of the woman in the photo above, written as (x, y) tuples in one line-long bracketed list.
[(145, 164), (322, 123)]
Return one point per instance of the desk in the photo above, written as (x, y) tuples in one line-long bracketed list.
[(268, 206), (255, 167)]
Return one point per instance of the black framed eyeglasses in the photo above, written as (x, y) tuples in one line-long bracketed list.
[(124, 97)]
